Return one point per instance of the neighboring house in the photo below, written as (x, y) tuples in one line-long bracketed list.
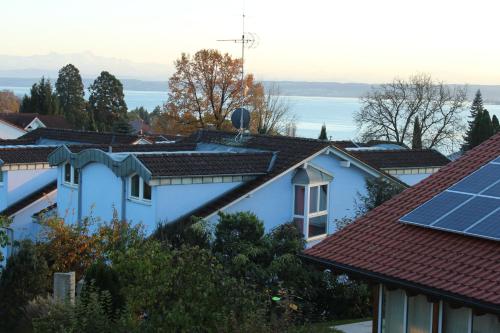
[(27, 185), (58, 136), (15, 125), (433, 252), (280, 179), (409, 166)]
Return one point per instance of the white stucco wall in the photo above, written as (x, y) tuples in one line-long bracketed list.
[(24, 182), (23, 224), (101, 192), (173, 201), (67, 199), (10, 132), (3, 190), (273, 202)]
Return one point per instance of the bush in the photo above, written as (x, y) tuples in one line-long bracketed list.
[(91, 313), (185, 232), (104, 278), (25, 277)]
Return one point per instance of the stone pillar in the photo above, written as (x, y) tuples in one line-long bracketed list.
[(64, 287)]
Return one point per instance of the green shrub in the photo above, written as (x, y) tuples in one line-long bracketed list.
[(104, 278), (25, 277)]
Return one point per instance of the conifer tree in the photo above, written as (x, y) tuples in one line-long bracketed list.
[(495, 124), (485, 127), (472, 136), (417, 135), (42, 99), (322, 134), (106, 102), (121, 126), (69, 89)]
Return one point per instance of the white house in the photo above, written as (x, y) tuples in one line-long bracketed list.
[(280, 179), (15, 125), (27, 186)]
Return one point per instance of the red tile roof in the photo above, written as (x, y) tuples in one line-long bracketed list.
[(449, 265)]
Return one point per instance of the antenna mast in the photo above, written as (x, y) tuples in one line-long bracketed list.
[(250, 43)]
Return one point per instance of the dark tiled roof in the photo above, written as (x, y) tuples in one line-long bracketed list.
[(22, 120), (290, 151), (28, 200), (80, 136), (207, 164), (159, 147), (344, 144), (451, 265), (384, 159), (17, 142), (31, 154)]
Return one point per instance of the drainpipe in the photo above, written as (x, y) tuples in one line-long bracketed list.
[(80, 185), (124, 199)]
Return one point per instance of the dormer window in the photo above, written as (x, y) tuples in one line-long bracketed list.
[(139, 189), (311, 201), (71, 175)]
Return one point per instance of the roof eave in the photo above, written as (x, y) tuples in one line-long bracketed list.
[(404, 284)]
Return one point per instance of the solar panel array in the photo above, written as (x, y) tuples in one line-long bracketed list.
[(469, 207)]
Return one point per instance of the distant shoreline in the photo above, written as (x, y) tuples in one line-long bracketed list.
[(491, 93)]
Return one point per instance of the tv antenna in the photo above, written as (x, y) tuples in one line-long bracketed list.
[(247, 40)]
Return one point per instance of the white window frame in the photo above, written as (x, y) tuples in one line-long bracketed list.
[(72, 182), (307, 214), (140, 198)]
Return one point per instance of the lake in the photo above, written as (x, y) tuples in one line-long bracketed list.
[(311, 112)]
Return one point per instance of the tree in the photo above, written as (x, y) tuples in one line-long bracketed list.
[(42, 99), (5, 222), (69, 89), (9, 102), (416, 140), (204, 90), (389, 110), (476, 109), (25, 277), (106, 102), (378, 191), (495, 124), (140, 113), (322, 134), (121, 126), (270, 111)]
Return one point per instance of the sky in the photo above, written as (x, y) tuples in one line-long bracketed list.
[(315, 40)]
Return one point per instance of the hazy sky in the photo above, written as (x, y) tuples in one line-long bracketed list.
[(324, 40)]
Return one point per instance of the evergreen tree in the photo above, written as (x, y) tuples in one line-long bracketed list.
[(417, 135), (42, 99), (69, 88), (472, 136), (121, 126), (495, 124), (106, 102), (323, 135), (485, 127)]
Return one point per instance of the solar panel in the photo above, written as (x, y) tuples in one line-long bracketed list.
[(479, 180), (433, 209), (470, 207), (489, 227), (493, 191), (468, 214)]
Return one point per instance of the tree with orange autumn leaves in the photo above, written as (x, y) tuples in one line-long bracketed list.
[(207, 87), (74, 247)]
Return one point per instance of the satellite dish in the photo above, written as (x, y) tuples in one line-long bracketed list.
[(240, 118)]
